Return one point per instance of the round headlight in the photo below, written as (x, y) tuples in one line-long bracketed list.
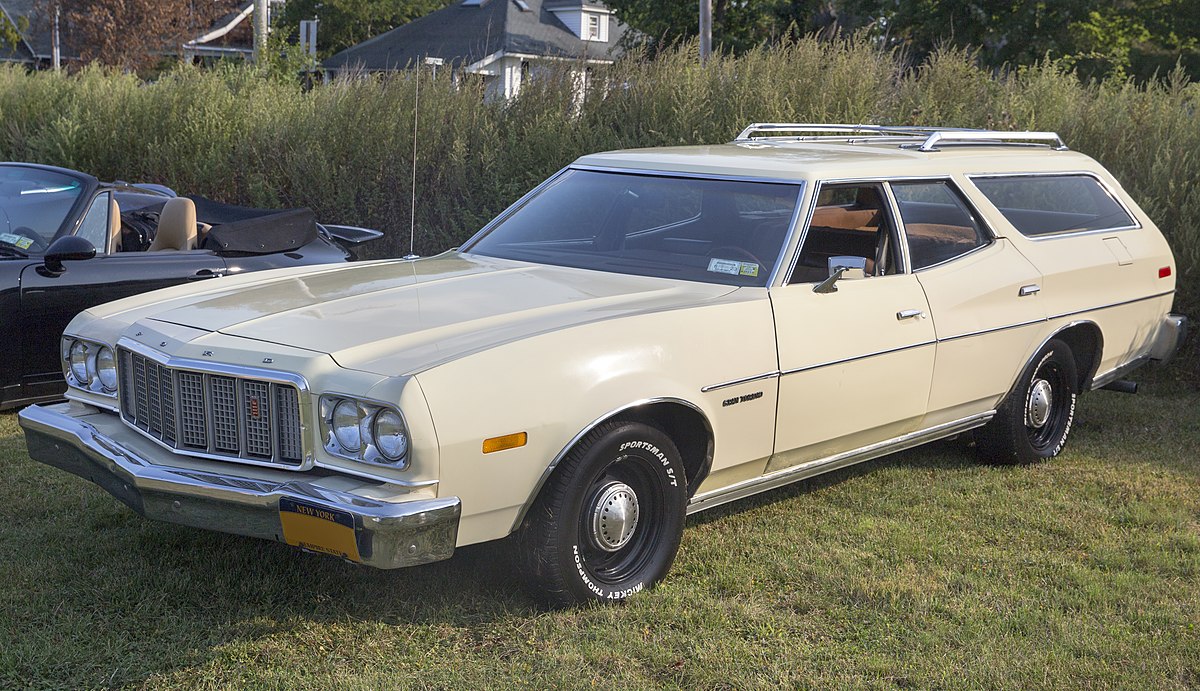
[(390, 436), (344, 422), (66, 345), (79, 368), (106, 368)]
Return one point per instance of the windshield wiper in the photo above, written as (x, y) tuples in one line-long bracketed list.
[(12, 251)]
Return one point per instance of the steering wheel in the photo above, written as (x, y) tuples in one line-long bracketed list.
[(734, 252), (38, 242)]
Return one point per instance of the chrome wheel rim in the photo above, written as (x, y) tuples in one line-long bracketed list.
[(615, 515), (1040, 403)]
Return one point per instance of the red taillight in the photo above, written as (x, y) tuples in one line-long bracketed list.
[(1164, 272)]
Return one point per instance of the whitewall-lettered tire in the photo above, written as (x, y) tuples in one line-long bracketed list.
[(608, 523), (1034, 421)]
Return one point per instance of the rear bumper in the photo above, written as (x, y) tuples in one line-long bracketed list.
[(1171, 334), (388, 534)]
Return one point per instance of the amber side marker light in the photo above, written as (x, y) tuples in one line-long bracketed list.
[(1164, 272), (508, 441)]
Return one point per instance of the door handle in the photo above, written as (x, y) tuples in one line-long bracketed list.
[(206, 273), (1031, 289), (910, 314)]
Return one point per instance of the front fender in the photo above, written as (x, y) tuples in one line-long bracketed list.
[(557, 385)]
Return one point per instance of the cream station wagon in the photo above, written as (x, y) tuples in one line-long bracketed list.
[(647, 334)]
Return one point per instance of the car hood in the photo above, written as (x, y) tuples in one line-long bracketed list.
[(400, 317)]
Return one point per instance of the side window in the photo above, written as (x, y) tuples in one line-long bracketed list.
[(94, 227), (849, 220), (1047, 204), (938, 223)]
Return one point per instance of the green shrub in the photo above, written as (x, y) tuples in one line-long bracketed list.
[(345, 148)]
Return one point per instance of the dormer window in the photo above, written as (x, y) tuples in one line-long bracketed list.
[(587, 19)]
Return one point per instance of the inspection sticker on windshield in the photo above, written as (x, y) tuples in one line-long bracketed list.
[(732, 267), (17, 240)]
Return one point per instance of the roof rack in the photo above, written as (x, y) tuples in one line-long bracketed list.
[(932, 136)]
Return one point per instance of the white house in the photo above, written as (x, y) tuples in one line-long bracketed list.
[(500, 40)]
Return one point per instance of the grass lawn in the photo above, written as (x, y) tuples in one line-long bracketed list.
[(920, 570)]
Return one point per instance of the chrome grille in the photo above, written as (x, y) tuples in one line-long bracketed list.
[(191, 409), (222, 394), (212, 414), (256, 411), (287, 408)]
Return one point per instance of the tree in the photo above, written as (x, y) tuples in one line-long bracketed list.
[(1122, 37), (10, 34), (133, 34), (738, 25), (344, 23), (1119, 37)]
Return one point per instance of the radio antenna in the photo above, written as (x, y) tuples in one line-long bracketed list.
[(412, 212)]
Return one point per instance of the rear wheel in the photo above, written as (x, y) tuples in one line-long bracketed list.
[(608, 523), (1033, 422)]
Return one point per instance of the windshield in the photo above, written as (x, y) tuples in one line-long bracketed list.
[(715, 231), (33, 205)]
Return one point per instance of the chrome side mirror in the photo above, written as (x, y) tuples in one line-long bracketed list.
[(842, 267)]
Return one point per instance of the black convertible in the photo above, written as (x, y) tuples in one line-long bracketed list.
[(69, 241)]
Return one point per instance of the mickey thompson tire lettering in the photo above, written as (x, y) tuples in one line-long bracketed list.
[(565, 547)]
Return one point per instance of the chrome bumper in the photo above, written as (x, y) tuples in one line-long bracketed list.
[(388, 535), (1171, 334)]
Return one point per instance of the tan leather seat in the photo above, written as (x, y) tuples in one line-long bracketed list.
[(176, 226), (114, 225)]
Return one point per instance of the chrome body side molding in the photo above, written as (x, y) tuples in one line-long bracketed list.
[(785, 476)]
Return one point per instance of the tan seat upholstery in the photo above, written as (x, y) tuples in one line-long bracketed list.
[(114, 225), (176, 226), (848, 219)]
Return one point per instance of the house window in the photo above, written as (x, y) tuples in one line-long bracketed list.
[(592, 27)]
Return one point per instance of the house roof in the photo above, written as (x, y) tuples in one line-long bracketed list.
[(36, 38), (464, 35), (37, 41)]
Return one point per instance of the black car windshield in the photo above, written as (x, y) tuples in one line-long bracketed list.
[(33, 205), (711, 230)]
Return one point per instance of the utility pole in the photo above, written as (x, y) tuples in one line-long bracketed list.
[(55, 46), (260, 30), (705, 30)]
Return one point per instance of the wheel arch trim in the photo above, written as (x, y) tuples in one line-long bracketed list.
[(616, 412), (1053, 335)]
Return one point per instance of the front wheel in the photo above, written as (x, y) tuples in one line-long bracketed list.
[(608, 523), (1033, 422)]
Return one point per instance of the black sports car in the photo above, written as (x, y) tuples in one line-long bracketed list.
[(69, 241)]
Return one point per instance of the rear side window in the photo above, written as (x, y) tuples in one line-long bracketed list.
[(1048, 204), (937, 222)]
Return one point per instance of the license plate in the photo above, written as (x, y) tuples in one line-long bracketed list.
[(318, 529)]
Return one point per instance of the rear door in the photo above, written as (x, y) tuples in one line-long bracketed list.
[(983, 295)]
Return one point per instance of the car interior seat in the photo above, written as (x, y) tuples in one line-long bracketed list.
[(176, 226), (114, 225)]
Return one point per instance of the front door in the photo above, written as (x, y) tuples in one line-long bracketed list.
[(49, 302), (856, 363)]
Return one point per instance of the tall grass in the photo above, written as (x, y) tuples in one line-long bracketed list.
[(345, 148)]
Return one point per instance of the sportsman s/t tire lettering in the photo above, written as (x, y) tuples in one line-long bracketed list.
[(1034, 421), (608, 523)]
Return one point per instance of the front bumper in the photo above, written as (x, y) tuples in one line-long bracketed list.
[(388, 534)]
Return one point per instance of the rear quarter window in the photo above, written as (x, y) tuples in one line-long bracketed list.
[(1038, 205)]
